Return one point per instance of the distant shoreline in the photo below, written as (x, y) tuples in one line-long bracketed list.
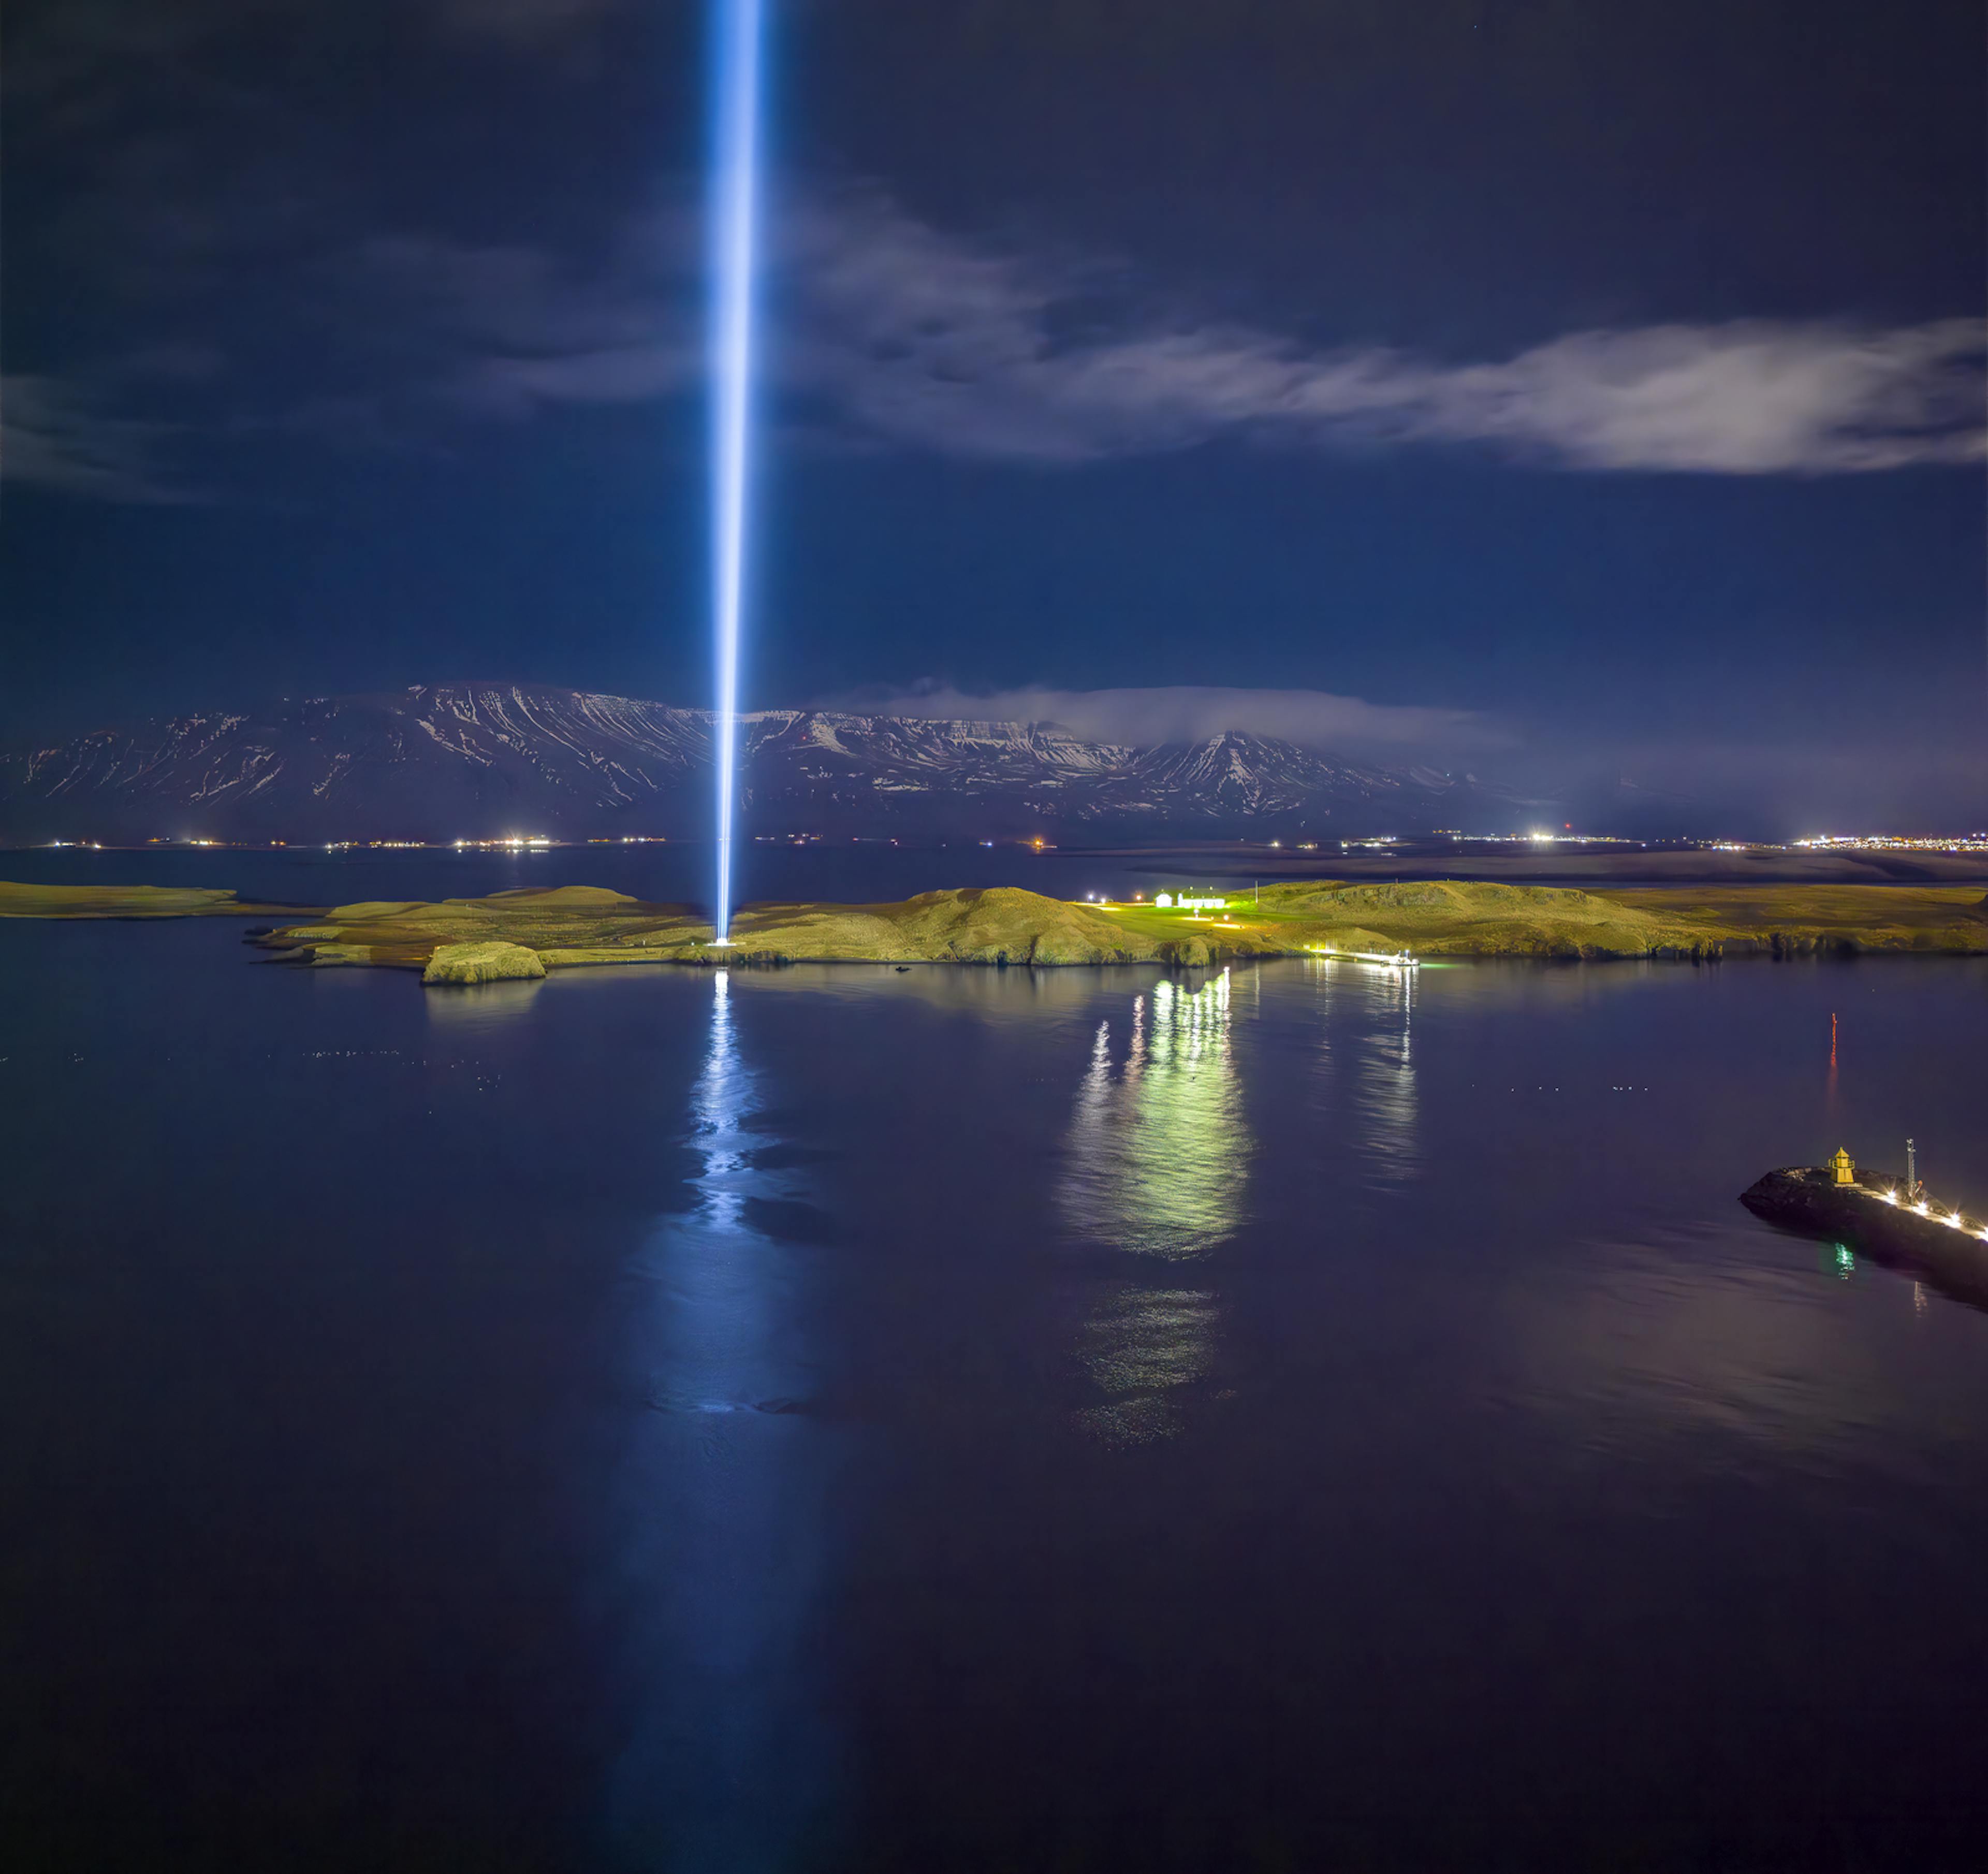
[(1568, 863)]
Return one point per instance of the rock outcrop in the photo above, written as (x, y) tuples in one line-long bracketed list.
[(465, 963)]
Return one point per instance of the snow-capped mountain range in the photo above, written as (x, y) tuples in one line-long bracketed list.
[(485, 760)]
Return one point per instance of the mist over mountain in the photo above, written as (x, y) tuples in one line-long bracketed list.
[(477, 761)]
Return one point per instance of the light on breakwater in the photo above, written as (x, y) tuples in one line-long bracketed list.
[(737, 32), (1953, 1219)]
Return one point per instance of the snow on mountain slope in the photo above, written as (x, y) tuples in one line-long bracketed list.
[(478, 760)]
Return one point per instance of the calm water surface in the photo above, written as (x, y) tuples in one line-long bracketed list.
[(841, 1419)]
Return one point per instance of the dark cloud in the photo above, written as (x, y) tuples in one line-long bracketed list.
[(504, 330), (526, 24), (55, 435), (886, 331), (890, 332), (60, 48)]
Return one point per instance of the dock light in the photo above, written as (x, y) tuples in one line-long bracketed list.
[(1891, 1197), (1920, 1208)]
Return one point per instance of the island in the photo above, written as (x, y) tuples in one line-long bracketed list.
[(526, 933)]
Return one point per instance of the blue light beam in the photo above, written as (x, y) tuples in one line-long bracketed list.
[(737, 38)]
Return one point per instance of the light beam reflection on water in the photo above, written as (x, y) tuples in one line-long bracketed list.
[(726, 1485)]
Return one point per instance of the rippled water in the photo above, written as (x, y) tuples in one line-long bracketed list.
[(842, 1418)]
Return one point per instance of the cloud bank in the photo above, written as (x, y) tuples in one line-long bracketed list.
[(925, 340), (886, 333), (889, 332), (1186, 712)]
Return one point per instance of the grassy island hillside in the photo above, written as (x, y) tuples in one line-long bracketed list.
[(526, 933), (128, 902), (1450, 917), (580, 926)]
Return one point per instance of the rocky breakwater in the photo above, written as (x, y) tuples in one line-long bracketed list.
[(1870, 1216)]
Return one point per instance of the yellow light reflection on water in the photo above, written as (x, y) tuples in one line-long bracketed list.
[(1158, 1156)]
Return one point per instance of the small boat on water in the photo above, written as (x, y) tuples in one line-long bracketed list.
[(1880, 1215), (1400, 959)]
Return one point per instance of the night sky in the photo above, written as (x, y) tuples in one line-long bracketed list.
[(1595, 389)]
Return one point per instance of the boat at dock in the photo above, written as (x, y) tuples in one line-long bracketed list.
[(1400, 960), (1882, 1216)]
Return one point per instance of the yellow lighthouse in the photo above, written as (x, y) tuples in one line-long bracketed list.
[(1842, 1170)]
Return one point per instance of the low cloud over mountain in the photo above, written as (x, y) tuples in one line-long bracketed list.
[(1184, 713)]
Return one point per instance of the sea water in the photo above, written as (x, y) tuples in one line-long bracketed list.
[(849, 1419)]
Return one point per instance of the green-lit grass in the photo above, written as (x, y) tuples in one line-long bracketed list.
[(1449, 918)]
